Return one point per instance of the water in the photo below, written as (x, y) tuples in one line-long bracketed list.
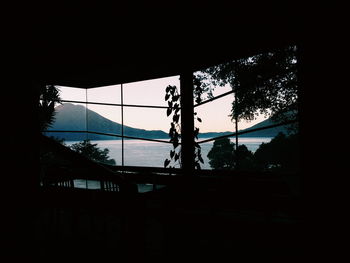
[(153, 154)]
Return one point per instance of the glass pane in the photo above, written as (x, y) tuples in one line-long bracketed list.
[(105, 119), (75, 94), (145, 153), (210, 90), (67, 138), (279, 151), (107, 94), (215, 117), (104, 151), (70, 117), (149, 92), (256, 151), (146, 123)]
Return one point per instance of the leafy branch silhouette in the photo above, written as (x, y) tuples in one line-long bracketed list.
[(173, 97)]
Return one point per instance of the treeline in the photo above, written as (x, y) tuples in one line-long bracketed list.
[(280, 154)]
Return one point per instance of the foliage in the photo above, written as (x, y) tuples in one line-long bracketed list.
[(224, 156), (263, 84), (221, 155), (91, 151), (281, 154), (48, 96), (244, 159), (173, 97)]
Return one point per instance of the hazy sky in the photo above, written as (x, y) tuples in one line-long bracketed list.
[(214, 114)]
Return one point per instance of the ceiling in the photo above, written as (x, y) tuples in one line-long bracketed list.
[(90, 44)]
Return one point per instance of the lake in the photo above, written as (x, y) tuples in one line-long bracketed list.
[(153, 154)]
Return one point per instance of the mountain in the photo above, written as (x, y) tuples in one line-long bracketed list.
[(272, 132), (72, 117)]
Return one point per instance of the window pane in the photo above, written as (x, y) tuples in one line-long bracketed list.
[(75, 94), (70, 117), (278, 152), (215, 116), (145, 153), (105, 119), (149, 92), (107, 94), (146, 123), (114, 150)]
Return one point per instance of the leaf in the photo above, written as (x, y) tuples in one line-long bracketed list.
[(170, 104), (175, 143), (175, 98), (199, 119), (196, 131), (168, 111), (166, 163), (176, 118), (172, 153), (166, 96), (167, 88), (176, 157), (201, 159)]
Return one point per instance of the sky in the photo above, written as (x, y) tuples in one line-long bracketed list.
[(214, 114)]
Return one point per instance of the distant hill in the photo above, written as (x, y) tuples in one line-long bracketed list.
[(72, 117), (272, 132)]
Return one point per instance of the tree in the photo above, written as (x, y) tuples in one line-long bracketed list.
[(280, 154), (221, 155), (244, 158), (224, 156), (263, 84), (48, 96), (91, 151)]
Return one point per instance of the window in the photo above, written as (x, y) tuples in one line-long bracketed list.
[(129, 120), (246, 112), (249, 114)]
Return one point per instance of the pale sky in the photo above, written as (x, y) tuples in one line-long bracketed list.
[(214, 114)]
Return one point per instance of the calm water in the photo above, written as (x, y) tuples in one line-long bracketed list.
[(145, 153)]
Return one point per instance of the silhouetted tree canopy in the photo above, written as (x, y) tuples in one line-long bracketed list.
[(281, 154), (264, 84), (91, 151), (48, 96), (224, 156), (221, 155), (244, 158)]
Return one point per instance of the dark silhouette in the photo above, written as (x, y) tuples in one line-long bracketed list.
[(91, 151), (224, 156), (48, 96), (280, 154)]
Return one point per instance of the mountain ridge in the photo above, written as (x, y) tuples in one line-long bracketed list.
[(72, 117)]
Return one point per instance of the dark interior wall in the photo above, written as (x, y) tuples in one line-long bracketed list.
[(93, 44)]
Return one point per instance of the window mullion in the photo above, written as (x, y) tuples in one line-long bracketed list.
[(187, 122)]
